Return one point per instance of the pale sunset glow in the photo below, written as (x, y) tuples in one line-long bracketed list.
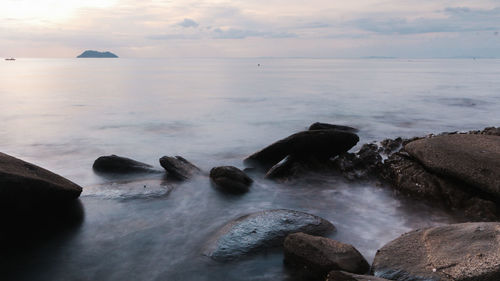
[(275, 28)]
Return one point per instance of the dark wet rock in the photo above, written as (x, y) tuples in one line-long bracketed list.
[(391, 145), (326, 126), (24, 182), (410, 178), (178, 167), (473, 159), (316, 256), (258, 231), (346, 276), (363, 164), (320, 144), (230, 179), (458, 252), (292, 167), (34, 200), (492, 131), (121, 165)]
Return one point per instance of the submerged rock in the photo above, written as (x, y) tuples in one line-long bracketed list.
[(230, 179), (473, 159), (261, 230), (326, 126), (458, 252), (346, 276), (320, 144), (316, 256), (23, 182), (178, 167), (121, 165)]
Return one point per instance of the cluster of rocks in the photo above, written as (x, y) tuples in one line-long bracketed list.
[(459, 170)]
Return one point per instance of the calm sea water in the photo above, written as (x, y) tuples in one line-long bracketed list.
[(64, 113)]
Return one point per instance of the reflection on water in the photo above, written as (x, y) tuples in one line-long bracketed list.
[(63, 114)]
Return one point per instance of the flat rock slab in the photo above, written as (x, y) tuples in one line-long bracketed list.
[(257, 231), (121, 165), (21, 181), (457, 252), (346, 276), (319, 255), (474, 159)]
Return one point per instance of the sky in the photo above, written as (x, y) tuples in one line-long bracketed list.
[(251, 28)]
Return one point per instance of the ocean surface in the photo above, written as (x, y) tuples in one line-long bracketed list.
[(62, 114)]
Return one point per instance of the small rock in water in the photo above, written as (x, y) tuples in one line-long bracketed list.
[(121, 165), (315, 256), (230, 179), (178, 167)]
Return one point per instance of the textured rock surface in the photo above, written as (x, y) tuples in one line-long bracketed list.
[(410, 178), (318, 255), (117, 164), (23, 182), (346, 276), (230, 179), (261, 230), (474, 159), (459, 252), (321, 144), (178, 167)]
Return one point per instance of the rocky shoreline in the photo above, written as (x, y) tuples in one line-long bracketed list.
[(457, 171)]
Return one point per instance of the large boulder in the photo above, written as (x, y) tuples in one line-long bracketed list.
[(320, 144), (34, 200), (316, 256), (458, 252), (230, 179), (346, 276), (121, 165), (266, 229), (473, 159), (24, 182), (178, 168)]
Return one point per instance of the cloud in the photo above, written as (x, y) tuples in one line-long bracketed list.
[(456, 19), (188, 23), (234, 33)]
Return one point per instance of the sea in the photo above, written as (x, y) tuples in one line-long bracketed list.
[(62, 114)]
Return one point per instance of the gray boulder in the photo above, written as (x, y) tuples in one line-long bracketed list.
[(178, 168), (473, 159), (346, 276), (316, 256), (230, 179), (320, 144), (266, 229), (24, 182), (121, 165), (457, 252)]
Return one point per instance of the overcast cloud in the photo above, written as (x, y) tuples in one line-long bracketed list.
[(316, 28)]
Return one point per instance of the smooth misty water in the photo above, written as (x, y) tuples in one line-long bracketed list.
[(63, 113)]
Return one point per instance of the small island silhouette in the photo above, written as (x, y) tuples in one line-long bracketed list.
[(97, 54)]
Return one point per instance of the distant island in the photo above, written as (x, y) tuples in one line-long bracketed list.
[(97, 54)]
